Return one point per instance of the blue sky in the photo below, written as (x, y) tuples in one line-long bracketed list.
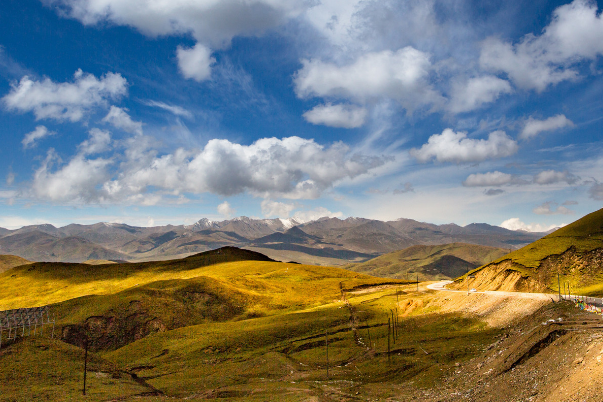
[(167, 111)]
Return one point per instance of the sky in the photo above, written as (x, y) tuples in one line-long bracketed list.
[(154, 112)]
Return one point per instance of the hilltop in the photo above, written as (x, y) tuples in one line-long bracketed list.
[(10, 261), (575, 252), (133, 300), (439, 262)]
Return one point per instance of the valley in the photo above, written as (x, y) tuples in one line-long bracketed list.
[(235, 324)]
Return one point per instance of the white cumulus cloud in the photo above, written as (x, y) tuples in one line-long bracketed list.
[(66, 100), (209, 21), (119, 118), (341, 115), (226, 210), (31, 138), (551, 208), (401, 75), (314, 214), (553, 176), (212, 23), (456, 147), (535, 62), (76, 181), (275, 209), (99, 141), (517, 224), (533, 127), (292, 167), (195, 62), (489, 179)]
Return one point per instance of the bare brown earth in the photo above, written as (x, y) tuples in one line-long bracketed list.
[(555, 354), (582, 270)]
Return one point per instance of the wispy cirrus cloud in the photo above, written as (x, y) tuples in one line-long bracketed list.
[(498, 179), (31, 138), (173, 109), (119, 118)]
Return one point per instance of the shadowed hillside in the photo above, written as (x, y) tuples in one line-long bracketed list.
[(116, 304)]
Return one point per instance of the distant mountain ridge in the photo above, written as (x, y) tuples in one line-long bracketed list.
[(331, 241)]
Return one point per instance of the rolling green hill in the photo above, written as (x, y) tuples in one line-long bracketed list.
[(575, 252), (446, 261), (126, 302), (228, 324)]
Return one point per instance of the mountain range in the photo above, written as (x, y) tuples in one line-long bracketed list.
[(326, 241)]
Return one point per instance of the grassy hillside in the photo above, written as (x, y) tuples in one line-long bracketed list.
[(575, 252), (585, 234), (10, 261), (444, 261), (285, 284), (228, 324)]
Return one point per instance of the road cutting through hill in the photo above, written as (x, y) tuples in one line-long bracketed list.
[(441, 286)]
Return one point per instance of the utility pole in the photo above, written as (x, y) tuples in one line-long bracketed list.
[(417, 282), (327, 342), (559, 286), (389, 357)]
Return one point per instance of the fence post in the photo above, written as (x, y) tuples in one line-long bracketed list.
[(327, 342)]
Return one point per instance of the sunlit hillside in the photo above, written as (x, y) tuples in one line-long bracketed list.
[(574, 252)]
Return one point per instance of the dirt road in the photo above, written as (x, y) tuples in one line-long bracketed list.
[(535, 296)]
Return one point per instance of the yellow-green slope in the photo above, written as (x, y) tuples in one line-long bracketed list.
[(435, 262), (574, 252), (248, 330), (585, 234), (284, 284)]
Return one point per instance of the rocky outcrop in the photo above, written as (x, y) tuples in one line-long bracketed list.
[(581, 269)]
